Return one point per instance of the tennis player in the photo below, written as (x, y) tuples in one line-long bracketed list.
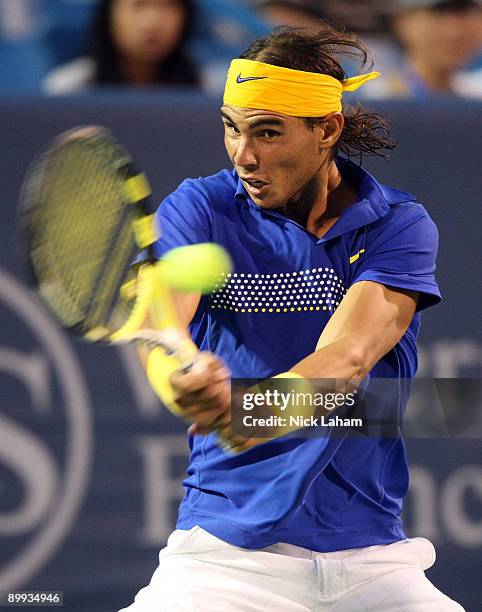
[(331, 272)]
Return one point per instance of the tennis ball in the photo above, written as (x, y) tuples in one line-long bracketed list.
[(197, 267)]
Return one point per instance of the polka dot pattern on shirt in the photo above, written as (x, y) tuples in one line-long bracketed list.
[(305, 290)]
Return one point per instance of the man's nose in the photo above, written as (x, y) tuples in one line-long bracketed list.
[(245, 156)]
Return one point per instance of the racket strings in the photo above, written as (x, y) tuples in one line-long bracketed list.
[(86, 221)]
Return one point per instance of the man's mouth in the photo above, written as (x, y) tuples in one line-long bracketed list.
[(255, 186)]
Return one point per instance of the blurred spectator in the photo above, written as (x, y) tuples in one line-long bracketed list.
[(66, 28), (438, 40), (23, 58), (16, 18), (368, 18), (224, 29), (359, 16), (136, 43), (293, 13)]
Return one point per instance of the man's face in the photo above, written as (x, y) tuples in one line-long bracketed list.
[(275, 155)]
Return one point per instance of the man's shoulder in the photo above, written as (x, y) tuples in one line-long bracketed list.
[(402, 211), (388, 204), (396, 197), (203, 194), (402, 206), (217, 186)]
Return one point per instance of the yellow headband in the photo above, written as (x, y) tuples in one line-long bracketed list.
[(257, 85)]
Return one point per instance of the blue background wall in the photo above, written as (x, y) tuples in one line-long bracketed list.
[(90, 465)]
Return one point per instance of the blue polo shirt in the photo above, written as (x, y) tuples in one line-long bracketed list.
[(329, 493)]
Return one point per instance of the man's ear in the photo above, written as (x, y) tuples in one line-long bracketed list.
[(330, 130)]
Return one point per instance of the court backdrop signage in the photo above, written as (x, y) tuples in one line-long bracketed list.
[(440, 508), (43, 391)]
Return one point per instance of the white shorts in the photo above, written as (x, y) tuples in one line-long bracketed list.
[(198, 572)]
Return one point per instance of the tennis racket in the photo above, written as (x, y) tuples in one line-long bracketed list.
[(85, 216)]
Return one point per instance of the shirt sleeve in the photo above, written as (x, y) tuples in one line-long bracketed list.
[(183, 218), (403, 255)]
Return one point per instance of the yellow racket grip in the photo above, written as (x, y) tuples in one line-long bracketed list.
[(161, 307), (159, 368), (145, 294), (153, 298)]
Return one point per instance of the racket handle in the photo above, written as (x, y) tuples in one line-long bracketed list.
[(161, 363), (173, 343)]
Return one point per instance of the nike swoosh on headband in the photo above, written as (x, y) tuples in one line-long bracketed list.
[(240, 79)]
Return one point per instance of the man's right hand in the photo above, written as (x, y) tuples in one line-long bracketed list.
[(203, 393), (203, 397)]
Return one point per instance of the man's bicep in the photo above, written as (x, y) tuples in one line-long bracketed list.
[(186, 305), (373, 317), (183, 218), (403, 256)]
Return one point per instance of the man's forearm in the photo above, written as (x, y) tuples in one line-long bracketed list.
[(340, 359)]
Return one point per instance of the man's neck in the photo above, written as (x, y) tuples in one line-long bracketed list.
[(322, 202)]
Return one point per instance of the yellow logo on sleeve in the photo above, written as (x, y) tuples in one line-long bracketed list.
[(355, 257)]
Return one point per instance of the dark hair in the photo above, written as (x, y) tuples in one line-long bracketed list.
[(176, 69), (317, 50)]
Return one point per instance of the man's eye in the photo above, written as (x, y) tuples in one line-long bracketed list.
[(269, 134), (231, 128)]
